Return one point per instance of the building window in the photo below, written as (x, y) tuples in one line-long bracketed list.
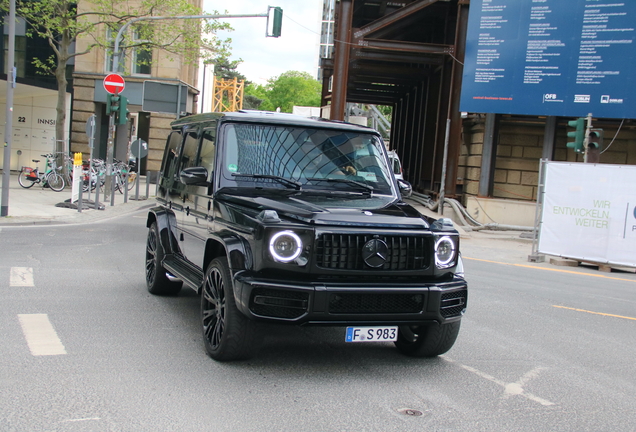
[(19, 49), (142, 57), (111, 35)]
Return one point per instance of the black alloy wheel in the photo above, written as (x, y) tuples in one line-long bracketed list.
[(156, 279), (227, 334)]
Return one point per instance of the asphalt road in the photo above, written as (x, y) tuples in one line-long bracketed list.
[(86, 348)]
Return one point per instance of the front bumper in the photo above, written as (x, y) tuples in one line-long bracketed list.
[(348, 303)]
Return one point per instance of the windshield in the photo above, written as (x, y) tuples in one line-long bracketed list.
[(316, 159), (397, 169)]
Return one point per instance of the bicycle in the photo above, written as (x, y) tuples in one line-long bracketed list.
[(66, 161), (124, 174), (93, 174), (50, 177)]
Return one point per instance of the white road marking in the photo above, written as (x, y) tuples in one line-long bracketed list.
[(40, 335), (510, 389), (80, 419), (21, 277)]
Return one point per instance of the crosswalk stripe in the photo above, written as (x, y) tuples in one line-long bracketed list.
[(40, 335), (21, 277)]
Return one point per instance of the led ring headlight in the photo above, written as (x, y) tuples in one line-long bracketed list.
[(285, 246), (444, 251)]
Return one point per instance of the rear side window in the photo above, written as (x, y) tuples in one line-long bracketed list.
[(397, 169), (208, 150), (190, 147), (170, 156)]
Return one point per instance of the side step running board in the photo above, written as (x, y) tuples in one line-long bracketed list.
[(184, 270)]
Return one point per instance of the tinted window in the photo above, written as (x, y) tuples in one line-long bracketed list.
[(303, 154), (208, 150), (170, 157), (190, 147)]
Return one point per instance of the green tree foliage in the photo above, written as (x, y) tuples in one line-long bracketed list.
[(286, 90), (226, 68), (63, 22)]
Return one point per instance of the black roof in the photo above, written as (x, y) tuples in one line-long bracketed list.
[(270, 118)]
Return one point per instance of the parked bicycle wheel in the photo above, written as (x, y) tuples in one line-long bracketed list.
[(27, 178), (132, 180), (118, 178), (55, 181)]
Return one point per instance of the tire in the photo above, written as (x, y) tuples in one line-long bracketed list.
[(85, 182), (227, 333), (24, 181), (156, 279), (119, 180), (427, 341), (55, 181), (131, 180)]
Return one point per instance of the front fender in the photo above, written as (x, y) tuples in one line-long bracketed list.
[(239, 257), (167, 226)]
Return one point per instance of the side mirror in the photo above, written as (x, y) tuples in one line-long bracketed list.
[(194, 176), (405, 188)]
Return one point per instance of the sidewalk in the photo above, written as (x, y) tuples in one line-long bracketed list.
[(37, 205)]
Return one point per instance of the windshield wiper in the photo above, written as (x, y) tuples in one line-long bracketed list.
[(287, 182), (364, 186)]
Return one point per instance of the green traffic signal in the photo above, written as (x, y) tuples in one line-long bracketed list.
[(122, 112), (578, 135), (595, 138), (112, 104), (278, 22)]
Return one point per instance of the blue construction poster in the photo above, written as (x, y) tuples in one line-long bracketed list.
[(551, 57)]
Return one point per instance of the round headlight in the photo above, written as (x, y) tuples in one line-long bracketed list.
[(285, 246), (444, 251)]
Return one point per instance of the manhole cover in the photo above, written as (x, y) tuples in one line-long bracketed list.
[(410, 412)]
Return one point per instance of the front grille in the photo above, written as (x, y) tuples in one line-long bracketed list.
[(277, 303), (344, 252), (351, 303), (453, 303)]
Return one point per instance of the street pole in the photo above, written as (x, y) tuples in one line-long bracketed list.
[(110, 150), (586, 140), (8, 128)]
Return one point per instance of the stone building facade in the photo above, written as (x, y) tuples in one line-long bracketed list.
[(89, 97)]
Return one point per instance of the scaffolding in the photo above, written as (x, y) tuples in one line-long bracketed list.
[(227, 95)]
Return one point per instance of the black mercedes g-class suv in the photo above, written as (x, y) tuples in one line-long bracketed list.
[(286, 219)]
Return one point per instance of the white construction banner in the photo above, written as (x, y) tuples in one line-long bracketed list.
[(589, 213)]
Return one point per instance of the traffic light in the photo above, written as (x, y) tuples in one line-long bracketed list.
[(595, 138), (122, 112), (112, 104), (578, 135), (277, 22)]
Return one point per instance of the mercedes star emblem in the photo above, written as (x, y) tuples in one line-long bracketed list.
[(375, 253)]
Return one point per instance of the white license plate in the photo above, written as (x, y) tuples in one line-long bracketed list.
[(371, 334)]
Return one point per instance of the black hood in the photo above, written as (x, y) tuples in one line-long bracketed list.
[(341, 210)]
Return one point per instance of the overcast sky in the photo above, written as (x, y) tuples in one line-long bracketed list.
[(266, 57)]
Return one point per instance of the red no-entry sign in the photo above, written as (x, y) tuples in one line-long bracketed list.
[(114, 83)]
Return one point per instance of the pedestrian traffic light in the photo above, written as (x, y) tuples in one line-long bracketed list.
[(122, 112), (112, 104), (277, 21), (578, 135), (595, 138)]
